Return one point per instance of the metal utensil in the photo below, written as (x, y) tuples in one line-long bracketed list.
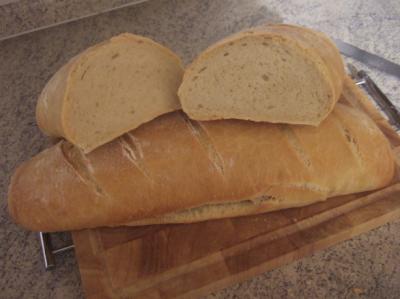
[(370, 59), (48, 252), (362, 78)]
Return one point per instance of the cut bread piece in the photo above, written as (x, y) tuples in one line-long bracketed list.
[(274, 73), (110, 89)]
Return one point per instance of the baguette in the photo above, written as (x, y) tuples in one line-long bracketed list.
[(108, 90), (274, 73), (174, 170)]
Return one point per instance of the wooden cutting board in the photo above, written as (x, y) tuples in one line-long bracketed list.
[(188, 260)]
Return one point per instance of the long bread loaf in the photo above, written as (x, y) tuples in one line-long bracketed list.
[(177, 170)]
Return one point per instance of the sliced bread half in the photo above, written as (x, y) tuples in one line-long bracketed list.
[(110, 89), (275, 73)]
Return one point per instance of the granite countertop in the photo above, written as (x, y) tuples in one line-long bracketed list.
[(22, 16), (367, 266)]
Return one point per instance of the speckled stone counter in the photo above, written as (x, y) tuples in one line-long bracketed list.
[(22, 16), (367, 266)]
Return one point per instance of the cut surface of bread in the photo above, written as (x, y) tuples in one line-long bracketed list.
[(110, 89), (274, 73)]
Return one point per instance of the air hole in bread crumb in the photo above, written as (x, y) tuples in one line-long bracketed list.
[(132, 111), (115, 56), (270, 107), (200, 106), (195, 78), (265, 77), (244, 44), (140, 42), (202, 70), (230, 44), (283, 59), (265, 44), (96, 104), (226, 54)]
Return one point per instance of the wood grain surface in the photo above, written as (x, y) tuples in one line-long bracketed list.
[(189, 260)]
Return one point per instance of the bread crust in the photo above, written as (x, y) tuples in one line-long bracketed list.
[(159, 171)]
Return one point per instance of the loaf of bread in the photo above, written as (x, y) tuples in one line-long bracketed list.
[(174, 170), (273, 73), (108, 90)]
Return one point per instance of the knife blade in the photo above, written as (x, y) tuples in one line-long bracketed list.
[(370, 59)]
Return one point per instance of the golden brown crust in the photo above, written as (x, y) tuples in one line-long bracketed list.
[(173, 164), (50, 102), (38, 207)]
